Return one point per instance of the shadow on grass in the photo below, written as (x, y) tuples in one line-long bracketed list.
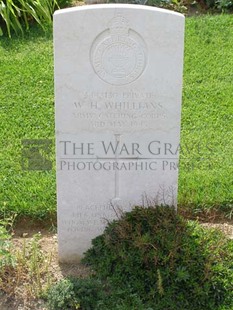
[(31, 35)]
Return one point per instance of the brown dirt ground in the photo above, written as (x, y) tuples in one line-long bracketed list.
[(49, 248)]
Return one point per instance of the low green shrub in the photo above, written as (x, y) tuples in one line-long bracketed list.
[(75, 293), (64, 3), (61, 296), (216, 5), (168, 262), (152, 259), (174, 5), (183, 6), (91, 294), (224, 5)]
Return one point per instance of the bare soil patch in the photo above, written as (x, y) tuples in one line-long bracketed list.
[(23, 235)]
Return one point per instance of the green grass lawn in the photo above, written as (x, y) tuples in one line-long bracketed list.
[(27, 112), (207, 114)]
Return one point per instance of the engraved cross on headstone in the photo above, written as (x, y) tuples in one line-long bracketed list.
[(117, 174), (118, 139)]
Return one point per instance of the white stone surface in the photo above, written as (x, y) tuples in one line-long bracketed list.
[(118, 82)]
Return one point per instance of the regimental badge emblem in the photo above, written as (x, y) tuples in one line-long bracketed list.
[(118, 54)]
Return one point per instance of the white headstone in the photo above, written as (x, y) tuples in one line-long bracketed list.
[(118, 85)]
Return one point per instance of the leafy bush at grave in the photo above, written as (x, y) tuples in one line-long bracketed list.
[(200, 5), (152, 258), (71, 293), (165, 260), (183, 6), (61, 296), (91, 294), (16, 15), (174, 5), (64, 3), (223, 5)]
